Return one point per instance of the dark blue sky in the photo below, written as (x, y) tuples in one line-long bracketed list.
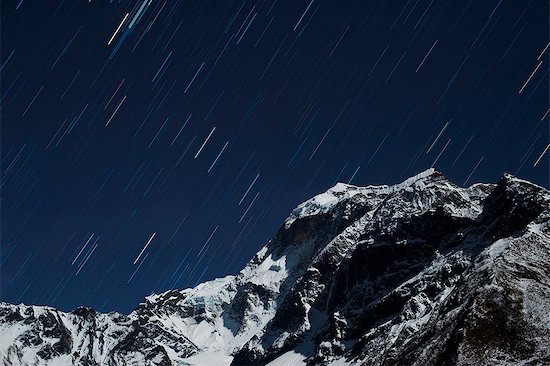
[(168, 152)]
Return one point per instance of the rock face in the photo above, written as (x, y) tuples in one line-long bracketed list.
[(419, 273)]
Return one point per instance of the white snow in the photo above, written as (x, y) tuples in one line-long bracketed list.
[(217, 358), (423, 182), (290, 358), (322, 203), (8, 335), (269, 274)]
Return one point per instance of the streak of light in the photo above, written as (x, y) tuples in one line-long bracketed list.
[(20, 269), (177, 229), (204, 143), (181, 129), (138, 13), (116, 110), (248, 208), (545, 114), (145, 247), (340, 40), (442, 150), (297, 151), (354, 174), (438, 136), (541, 155), (194, 76), (9, 58), (70, 84), (241, 27), (268, 24), (529, 79), (186, 149), (379, 58), (118, 28), (223, 50), (162, 66), (425, 57), (119, 85), (137, 268), (33, 99), (177, 270), (248, 190), (243, 33), (217, 157), (467, 179), (84, 246), (302, 17), (395, 67), (86, 259), (323, 139), (208, 240), (66, 119), (378, 148), (461, 151), (544, 50), (158, 132)]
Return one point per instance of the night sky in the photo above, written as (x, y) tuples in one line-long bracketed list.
[(154, 144)]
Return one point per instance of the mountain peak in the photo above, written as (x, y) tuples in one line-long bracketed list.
[(326, 201), (510, 179), (422, 272), (430, 173)]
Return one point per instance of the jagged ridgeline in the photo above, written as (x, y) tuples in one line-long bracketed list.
[(419, 273)]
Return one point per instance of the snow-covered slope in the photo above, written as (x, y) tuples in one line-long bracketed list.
[(421, 273)]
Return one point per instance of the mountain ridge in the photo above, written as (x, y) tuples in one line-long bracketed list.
[(377, 275)]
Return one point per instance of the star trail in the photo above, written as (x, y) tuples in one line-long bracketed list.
[(148, 145)]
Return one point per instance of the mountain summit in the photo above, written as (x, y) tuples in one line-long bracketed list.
[(419, 273)]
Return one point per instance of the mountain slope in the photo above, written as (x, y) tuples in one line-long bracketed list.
[(422, 272)]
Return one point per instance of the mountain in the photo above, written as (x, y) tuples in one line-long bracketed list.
[(419, 273)]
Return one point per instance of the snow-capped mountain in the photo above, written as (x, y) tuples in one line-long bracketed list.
[(420, 273)]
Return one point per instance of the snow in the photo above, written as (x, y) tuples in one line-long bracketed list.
[(217, 358), (269, 274), (322, 203), (295, 357), (290, 358), (325, 202), (8, 335), (64, 360), (203, 334), (498, 247)]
